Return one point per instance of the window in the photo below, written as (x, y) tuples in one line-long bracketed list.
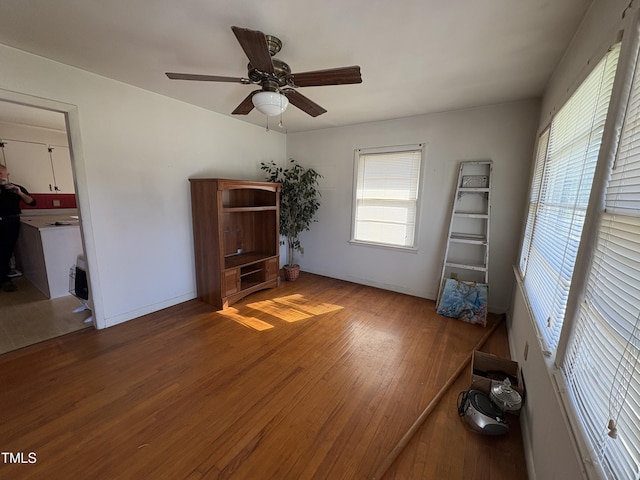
[(565, 163), (543, 143), (386, 195), (602, 362)]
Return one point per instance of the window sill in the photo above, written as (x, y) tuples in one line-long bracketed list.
[(382, 246), (547, 353)]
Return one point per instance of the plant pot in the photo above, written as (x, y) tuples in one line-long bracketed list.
[(291, 273)]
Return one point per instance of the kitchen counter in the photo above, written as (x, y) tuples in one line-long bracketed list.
[(49, 221), (48, 247)]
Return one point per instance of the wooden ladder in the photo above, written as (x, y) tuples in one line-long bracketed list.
[(466, 257)]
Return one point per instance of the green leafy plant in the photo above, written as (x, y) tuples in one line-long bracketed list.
[(299, 201)]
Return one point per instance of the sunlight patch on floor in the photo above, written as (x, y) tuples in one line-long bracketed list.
[(293, 308), (251, 322)]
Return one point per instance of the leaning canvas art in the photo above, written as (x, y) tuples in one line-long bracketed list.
[(466, 301)]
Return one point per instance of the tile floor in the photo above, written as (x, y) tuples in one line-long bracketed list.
[(28, 317)]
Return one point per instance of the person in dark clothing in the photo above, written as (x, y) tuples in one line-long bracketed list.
[(10, 197)]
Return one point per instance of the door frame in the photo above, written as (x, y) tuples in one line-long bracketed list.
[(72, 122)]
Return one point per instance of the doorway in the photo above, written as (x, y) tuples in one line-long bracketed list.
[(37, 312)]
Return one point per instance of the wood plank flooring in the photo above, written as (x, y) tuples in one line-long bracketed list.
[(318, 379)]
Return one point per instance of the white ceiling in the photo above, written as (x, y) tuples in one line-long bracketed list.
[(416, 56), (38, 117)]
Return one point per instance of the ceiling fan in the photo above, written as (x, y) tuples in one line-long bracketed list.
[(275, 77)]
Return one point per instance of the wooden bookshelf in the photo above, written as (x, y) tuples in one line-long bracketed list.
[(236, 238)]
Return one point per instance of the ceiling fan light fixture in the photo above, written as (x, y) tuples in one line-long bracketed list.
[(270, 103)]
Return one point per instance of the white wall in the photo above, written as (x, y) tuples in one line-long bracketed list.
[(134, 151), (503, 133), (547, 438), (549, 441)]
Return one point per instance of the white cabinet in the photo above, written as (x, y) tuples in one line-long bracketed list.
[(29, 165), (39, 168)]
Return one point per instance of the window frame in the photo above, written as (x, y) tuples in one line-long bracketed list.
[(422, 148), (585, 314), (550, 313), (579, 295)]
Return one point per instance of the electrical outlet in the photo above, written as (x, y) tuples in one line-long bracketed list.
[(56, 203)]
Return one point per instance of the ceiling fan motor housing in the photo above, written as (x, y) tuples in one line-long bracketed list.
[(280, 77)]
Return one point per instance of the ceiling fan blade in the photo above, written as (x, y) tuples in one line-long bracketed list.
[(332, 76), (246, 105), (205, 78), (303, 103), (254, 44)]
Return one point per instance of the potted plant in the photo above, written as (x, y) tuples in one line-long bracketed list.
[(298, 205)]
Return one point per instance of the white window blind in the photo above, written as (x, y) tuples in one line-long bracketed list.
[(601, 366), (536, 182), (386, 196), (556, 217)]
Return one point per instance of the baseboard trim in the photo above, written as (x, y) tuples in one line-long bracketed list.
[(125, 317)]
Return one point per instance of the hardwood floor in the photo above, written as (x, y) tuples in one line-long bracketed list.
[(318, 379)]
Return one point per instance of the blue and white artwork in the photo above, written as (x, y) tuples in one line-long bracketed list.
[(466, 301)]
